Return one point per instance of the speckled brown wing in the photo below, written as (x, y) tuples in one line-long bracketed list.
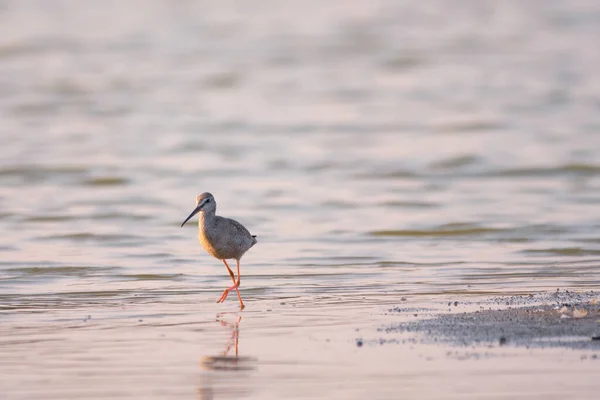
[(233, 239)]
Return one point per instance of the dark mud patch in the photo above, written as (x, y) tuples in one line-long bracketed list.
[(549, 320)]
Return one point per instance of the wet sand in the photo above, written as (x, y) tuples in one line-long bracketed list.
[(379, 346), (560, 319)]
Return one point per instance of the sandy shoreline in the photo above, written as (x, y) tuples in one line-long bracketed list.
[(561, 319), (307, 348)]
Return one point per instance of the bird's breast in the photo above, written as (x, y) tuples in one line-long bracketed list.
[(208, 244)]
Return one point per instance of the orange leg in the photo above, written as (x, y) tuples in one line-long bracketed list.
[(229, 270), (226, 292), (235, 285)]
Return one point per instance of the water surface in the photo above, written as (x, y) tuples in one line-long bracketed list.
[(381, 151)]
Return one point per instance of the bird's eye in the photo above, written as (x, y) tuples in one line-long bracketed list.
[(208, 200)]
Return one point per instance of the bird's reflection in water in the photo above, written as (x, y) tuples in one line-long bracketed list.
[(227, 360)]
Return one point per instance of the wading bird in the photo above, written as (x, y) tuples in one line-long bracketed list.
[(222, 238)]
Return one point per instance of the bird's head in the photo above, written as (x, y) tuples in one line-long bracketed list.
[(205, 202)]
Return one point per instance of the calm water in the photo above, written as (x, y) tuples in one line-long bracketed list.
[(379, 150)]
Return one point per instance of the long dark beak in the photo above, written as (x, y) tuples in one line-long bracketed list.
[(196, 210)]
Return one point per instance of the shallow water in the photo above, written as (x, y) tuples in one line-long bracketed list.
[(380, 151)]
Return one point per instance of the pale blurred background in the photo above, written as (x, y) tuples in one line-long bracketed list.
[(378, 149)]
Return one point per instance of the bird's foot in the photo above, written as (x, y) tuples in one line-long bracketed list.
[(226, 293), (223, 296)]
